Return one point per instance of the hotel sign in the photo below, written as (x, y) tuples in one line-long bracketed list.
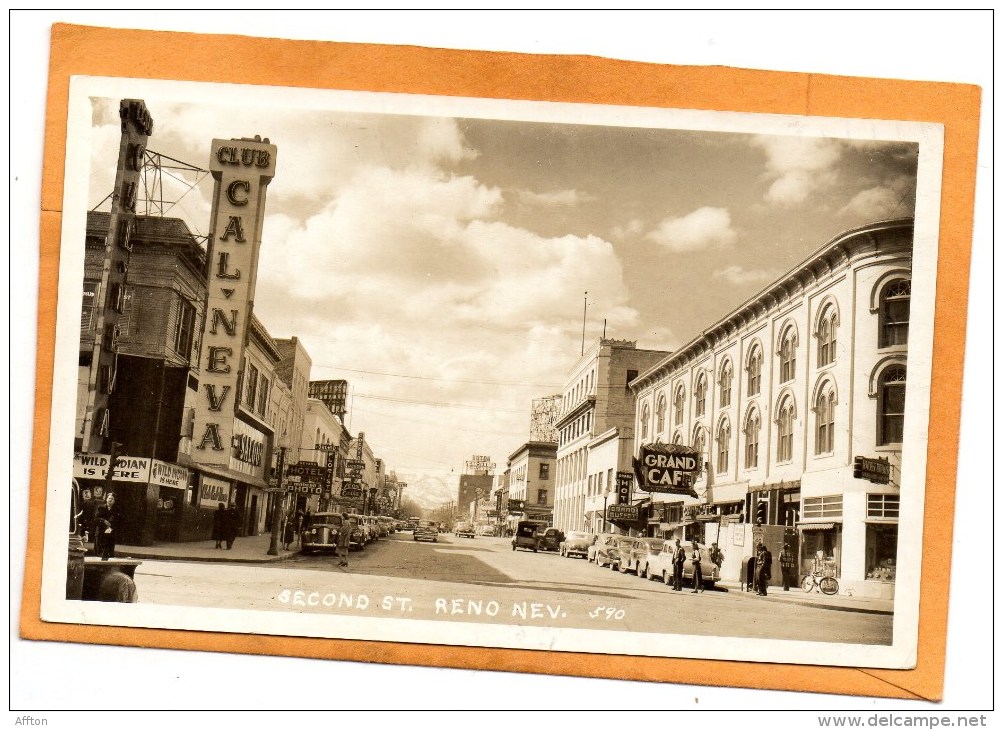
[(242, 169)]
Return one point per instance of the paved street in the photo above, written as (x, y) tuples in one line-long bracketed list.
[(483, 580)]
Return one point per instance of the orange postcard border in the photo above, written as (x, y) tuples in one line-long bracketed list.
[(93, 51)]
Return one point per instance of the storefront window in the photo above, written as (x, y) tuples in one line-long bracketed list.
[(882, 545), (824, 544)]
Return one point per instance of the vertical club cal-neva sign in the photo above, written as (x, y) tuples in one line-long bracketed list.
[(242, 169), (667, 468)]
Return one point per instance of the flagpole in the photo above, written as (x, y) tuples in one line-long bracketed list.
[(584, 311)]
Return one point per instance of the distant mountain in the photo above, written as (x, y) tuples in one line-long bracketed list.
[(429, 490)]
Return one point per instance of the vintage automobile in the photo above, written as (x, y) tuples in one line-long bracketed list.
[(321, 535), (426, 530), (464, 529), (602, 543), (576, 543), (640, 557), (551, 539), (660, 566), (619, 552), (527, 535)]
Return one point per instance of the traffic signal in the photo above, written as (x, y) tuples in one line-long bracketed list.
[(858, 467), (761, 508)]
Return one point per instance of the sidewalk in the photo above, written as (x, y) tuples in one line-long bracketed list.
[(858, 604), (252, 549)]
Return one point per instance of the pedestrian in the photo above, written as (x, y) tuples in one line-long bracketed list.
[(219, 525), (288, 532), (716, 555), (678, 560), (764, 564), (106, 521), (344, 539), (232, 525), (787, 567), (697, 572), (299, 525)]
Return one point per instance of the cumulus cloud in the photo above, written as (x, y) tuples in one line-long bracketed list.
[(565, 198), (893, 198), (739, 276), (704, 228), (797, 166), (631, 228)]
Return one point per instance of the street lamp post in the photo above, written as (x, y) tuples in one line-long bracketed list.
[(605, 498), (273, 543)]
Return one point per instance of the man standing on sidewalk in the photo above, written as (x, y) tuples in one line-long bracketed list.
[(787, 562), (678, 560), (764, 564), (344, 539)]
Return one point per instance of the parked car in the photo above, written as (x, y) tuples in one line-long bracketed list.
[(551, 539), (527, 535), (640, 557), (357, 537), (660, 566), (487, 531), (603, 543), (426, 530), (321, 535), (619, 552), (464, 529), (577, 543)]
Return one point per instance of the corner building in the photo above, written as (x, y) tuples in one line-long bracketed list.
[(596, 402), (781, 395)]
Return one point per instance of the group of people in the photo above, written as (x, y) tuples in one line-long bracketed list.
[(225, 525), (679, 558), (763, 568)]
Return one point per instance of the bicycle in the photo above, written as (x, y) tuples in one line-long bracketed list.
[(820, 578)]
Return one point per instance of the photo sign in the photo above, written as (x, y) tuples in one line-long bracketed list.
[(667, 468)]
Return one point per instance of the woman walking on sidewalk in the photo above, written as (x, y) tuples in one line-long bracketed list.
[(219, 525), (106, 519)]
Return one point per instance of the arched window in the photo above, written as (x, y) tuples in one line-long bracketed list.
[(701, 395), (645, 415), (788, 356), (894, 311), (752, 427), (700, 443), (723, 442), (725, 383), (785, 431), (677, 439), (660, 415), (827, 338), (825, 417), (891, 405), (755, 370), (678, 404)]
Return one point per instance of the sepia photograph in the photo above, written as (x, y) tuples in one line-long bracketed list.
[(387, 363), (493, 373)]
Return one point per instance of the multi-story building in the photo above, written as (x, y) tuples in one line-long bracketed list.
[(531, 481), (780, 397), (476, 481), (596, 399), (149, 389), (320, 446)]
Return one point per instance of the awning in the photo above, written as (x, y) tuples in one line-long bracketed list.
[(816, 526), (225, 473)]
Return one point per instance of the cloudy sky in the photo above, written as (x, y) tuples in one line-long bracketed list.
[(440, 264)]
